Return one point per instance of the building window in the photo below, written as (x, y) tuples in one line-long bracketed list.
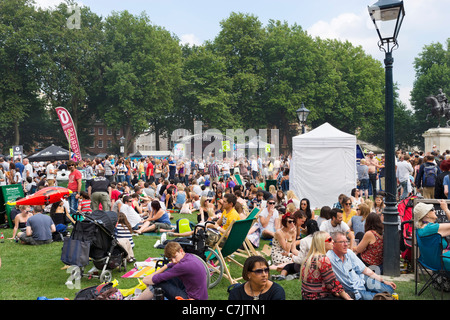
[(92, 146), (91, 131), (100, 131), (100, 144), (109, 144), (109, 132)]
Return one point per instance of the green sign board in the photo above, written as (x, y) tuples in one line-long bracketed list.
[(9, 193)]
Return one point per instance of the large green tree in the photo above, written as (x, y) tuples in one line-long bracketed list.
[(240, 42), (205, 92), (432, 67), (18, 72), (70, 65), (142, 69)]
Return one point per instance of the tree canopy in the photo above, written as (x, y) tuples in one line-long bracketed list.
[(134, 75)]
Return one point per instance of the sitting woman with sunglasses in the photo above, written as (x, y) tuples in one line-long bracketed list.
[(282, 242), (347, 211), (318, 278), (257, 286)]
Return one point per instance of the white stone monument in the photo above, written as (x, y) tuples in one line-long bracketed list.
[(437, 139)]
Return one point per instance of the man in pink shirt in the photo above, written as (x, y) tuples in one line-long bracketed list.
[(74, 184), (149, 173)]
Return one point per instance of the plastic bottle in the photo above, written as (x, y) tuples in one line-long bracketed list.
[(2, 238), (158, 294)]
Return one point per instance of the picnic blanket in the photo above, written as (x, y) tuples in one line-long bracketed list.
[(142, 269)]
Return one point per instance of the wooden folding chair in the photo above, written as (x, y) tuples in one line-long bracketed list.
[(232, 240), (248, 249)]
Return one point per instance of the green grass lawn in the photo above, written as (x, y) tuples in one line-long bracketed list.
[(28, 272)]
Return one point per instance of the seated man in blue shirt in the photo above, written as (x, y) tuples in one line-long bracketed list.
[(353, 274)]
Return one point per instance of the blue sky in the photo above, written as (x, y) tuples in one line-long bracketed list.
[(195, 21)]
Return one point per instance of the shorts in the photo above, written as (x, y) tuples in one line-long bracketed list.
[(364, 184)]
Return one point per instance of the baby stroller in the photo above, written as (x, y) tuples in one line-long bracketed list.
[(405, 213), (93, 239), (200, 244)]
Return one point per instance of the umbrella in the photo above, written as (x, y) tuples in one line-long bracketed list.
[(44, 196), (51, 153)]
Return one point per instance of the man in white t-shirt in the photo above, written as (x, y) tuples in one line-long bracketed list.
[(335, 224), (225, 170), (50, 172), (269, 220), (254, 165), (27, 170), (404, 170), (133, 217)]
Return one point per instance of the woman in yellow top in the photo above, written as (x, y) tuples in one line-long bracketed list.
[(348, 212), (229, 213)]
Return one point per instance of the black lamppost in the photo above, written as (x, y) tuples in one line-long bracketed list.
[(302, 115), (387, 16)]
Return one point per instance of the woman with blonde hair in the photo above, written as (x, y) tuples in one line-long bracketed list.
[(206, 211), (357, 222), (292, 198), (273, 191), (317, 275)]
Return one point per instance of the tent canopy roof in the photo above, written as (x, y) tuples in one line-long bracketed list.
[(324, 136), (50, 153)]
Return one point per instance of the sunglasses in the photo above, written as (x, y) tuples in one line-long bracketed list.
[(290, 221), (261, 271), (349, 203), (271, 202), (329, 240)]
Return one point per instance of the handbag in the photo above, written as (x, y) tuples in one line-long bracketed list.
[(212, 237), (75, 252)]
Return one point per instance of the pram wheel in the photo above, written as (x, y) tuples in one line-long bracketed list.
[(106, 276), (215, 266)]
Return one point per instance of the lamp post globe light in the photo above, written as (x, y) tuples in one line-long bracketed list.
[(387, 16), (302, 115)]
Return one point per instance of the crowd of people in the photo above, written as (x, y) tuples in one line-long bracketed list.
[(347, 235), (417, 173)]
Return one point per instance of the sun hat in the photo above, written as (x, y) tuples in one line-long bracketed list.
[(421, 210)]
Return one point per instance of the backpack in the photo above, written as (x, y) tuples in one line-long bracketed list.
[(429, 176), (184, 225)]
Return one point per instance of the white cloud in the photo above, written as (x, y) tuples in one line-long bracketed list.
[(424, 23), (190, 39), (355, 28)]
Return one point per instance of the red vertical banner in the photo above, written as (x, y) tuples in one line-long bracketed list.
[(69, 130)]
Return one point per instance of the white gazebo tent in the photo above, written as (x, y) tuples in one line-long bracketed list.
[(323, 165)]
